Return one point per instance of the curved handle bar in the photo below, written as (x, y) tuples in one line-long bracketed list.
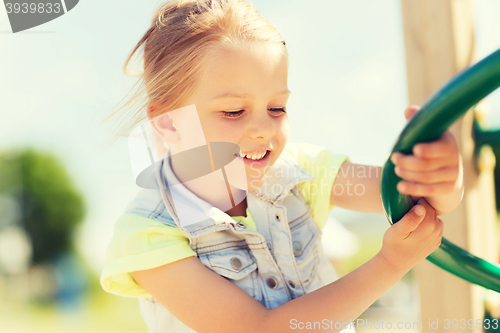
[(438, 112)]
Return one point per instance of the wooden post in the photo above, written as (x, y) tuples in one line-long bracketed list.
[(439, 43)]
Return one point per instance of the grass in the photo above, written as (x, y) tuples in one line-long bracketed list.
[(99, 312)]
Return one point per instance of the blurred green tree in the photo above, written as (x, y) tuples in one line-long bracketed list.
[(50, 205)]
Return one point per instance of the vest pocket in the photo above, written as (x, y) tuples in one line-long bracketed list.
[(232, 263), (304, 239), (235, 264)]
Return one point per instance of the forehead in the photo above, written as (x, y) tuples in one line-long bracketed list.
[(251, 68)]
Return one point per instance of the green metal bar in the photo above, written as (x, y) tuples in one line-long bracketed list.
[(438, 112)]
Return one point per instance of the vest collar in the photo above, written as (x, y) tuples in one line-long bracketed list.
[(281, 178)]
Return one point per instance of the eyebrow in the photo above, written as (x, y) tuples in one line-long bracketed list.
[(227, 95)]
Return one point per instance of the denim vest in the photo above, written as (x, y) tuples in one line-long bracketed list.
[(281, 261)]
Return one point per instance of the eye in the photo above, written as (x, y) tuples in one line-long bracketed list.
[(277, 110), (232, 114), (235, 114)]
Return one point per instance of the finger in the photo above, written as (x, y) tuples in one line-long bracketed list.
[(414, 163), (445, 146), (430, 222), (438, 231), (449, 174), (410, 111), (410, 221), (424, 203), (439, 240), (416, 189), (429, 210), (440, 228)]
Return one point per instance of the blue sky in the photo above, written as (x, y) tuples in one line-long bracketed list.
[(347, 77)]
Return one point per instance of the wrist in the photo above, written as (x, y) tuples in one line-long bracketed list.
[(398, 269)]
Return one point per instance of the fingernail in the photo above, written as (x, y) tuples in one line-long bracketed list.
[(419, 210)]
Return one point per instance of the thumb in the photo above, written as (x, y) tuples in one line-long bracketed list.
[(411, 220), (411, 110)]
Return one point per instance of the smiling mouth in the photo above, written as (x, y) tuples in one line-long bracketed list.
[(251, 159)]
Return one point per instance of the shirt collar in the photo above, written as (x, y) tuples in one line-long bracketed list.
[(187, 206), (190, 209), (281, 178)]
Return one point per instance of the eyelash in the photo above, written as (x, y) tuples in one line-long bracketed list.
[(236, 114)]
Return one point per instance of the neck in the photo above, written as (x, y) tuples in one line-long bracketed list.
[(214, 191)]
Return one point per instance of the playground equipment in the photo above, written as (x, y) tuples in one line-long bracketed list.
[(438, 112)]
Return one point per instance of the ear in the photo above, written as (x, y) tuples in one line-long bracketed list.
[(163, 124)]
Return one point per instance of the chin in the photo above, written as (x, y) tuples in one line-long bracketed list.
[(255, 184)]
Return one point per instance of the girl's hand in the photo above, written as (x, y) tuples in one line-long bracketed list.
[(412, 238), (433, 171)]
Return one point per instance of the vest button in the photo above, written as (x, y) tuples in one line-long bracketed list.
[(272, 282), (236, 263), (291, 284), (278, 217), (297, 247)]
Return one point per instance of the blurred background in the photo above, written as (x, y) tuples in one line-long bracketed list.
[(62, 188)]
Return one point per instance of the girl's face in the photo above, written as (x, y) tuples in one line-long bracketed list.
[(242, 99)]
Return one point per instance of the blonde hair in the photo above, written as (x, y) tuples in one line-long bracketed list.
[(176, 48)]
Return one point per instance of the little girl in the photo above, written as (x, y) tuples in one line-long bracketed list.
[(225, 236)]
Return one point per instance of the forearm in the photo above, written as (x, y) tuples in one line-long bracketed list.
[(339, 302), (357, 187)]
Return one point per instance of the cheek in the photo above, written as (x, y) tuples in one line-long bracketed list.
[(282, 136), (284, 129), (220, 130)]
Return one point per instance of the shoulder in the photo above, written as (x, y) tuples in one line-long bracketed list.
[(294, 148), (140, 243), (137, 234), (324, 165), (312, 157), (149, 203)]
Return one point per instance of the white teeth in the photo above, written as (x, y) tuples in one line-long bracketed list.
[(257, 156), (254, 156)]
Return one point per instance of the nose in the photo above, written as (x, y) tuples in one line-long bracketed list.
[(262, 126)]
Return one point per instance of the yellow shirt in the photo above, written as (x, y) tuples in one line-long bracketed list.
[(141, 243)]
